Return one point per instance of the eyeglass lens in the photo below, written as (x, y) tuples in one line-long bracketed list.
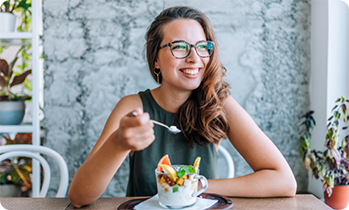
[(182, 49)]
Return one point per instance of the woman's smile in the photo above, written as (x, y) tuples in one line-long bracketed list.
[(191, 73)]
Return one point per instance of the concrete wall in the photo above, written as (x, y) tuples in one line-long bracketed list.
[(94, 56)]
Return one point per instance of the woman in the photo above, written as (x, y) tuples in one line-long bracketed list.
[(183, 57)]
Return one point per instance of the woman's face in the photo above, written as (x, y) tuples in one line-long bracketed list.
[(182, 74)]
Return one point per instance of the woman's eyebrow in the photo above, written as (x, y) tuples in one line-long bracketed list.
[(179, 41), (186, 41)]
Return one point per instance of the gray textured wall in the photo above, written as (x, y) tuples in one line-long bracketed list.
[(93, 54)]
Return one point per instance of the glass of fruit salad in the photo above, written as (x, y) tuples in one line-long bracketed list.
[(178, 184)]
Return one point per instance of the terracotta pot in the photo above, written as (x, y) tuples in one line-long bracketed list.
[(339, 198)]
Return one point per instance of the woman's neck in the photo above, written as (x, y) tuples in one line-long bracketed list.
[(170, 100)]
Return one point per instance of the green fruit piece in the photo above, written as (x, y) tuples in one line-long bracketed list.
[(175, 188)]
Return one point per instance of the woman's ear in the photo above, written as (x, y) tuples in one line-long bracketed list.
[(157, 66)]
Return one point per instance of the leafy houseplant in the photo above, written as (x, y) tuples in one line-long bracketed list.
[(332, 164), (19, 8), (9, 78), (15, 5), (18, 170), (12, 106)]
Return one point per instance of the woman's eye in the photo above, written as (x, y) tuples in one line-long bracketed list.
[(201, 47), (179, 47)]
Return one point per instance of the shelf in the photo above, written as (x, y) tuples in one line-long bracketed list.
[(16, 38), (16, 128), (16, 35)]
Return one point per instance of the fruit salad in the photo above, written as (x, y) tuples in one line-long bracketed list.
[(176, 183)]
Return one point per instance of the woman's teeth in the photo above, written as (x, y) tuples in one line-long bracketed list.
[(190, 71)]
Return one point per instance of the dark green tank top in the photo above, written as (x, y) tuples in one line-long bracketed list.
[(143, 163)]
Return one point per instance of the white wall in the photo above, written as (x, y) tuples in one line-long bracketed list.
[(337, 51), (329, 53)]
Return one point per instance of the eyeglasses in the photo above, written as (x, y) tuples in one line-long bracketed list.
[(181, 49)]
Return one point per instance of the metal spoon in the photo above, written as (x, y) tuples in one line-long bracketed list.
[(173, 129)]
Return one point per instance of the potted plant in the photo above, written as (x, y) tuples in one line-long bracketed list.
[(7, 16), (332, 164), (15, 174), (12, 106)]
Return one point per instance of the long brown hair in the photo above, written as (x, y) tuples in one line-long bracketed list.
[(202, 114)]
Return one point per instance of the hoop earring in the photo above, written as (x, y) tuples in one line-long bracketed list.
[(157, 75)]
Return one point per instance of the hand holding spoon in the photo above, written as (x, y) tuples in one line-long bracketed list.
[(173, 129)]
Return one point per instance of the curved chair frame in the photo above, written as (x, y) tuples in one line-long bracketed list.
[(25, 150), (229, 160)]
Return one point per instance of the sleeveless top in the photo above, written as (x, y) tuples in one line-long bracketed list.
[(143, 163)]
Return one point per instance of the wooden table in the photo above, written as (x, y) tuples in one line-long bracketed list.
[(303, 202)]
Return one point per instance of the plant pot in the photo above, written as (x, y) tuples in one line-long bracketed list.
[(8, 22), (10, 190), (11, 112), (339, 198)]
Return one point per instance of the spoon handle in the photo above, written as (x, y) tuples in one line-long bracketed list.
[(159, 123)]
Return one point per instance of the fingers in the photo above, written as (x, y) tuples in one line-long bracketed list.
[(143, 140), (139, 130), (136, 130), (135, 112), (135, 118), (134, 140)]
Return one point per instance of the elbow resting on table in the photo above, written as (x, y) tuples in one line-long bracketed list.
[(78, 200), (289, 189), (74, 201)]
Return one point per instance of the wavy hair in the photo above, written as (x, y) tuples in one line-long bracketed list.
[(201, 118)]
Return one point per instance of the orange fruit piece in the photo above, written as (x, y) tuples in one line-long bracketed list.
[(164, 160)]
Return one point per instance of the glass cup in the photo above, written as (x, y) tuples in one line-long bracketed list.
[(182, 193)]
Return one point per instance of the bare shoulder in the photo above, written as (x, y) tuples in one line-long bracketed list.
[(130, 101), (126, 105)]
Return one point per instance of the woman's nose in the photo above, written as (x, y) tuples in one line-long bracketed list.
[(193, 56)]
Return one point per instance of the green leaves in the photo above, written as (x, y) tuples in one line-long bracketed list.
[(181, 173), (332, 164), (19, 6), (344, 109), (330, 133), (304, 142), (337, 115), (3, 176), (185, 169), (24, 5), (17, 171), (20, 176)]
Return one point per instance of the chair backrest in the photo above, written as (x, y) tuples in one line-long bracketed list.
[(229, 161), (26, 150)]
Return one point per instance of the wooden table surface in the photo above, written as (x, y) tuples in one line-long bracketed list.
[(303, 202)]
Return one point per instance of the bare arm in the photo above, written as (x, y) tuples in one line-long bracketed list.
[(272, 176), (122, 134)]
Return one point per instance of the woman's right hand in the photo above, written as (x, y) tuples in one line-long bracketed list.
[(135, 131)]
